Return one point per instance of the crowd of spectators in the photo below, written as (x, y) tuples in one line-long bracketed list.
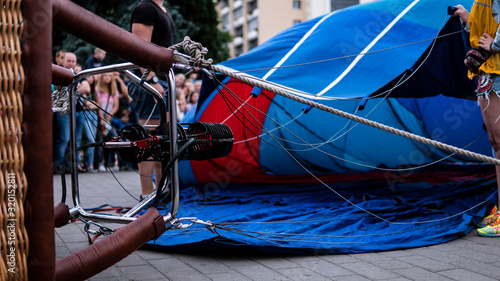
[(103, 108)]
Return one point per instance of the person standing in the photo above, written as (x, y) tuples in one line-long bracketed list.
[(59, 58), (62, 125), (107, 94), (151, 21), (95, 60), (483, 25)]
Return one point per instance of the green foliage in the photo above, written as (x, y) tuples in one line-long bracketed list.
[(194, 18)]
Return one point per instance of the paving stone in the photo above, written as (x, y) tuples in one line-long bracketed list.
[(478, 267), (325, 268), (109, 278), (370, 271), (235, 261), (439, 255), (339, 259), (141, 272), (427, 263), (390, 263), (259, 272), (301, 274), (175, 269), (132, 260), (351, 278), (110, 273), (396, 254), (383, 261), (486, 248), (61, 251), (420, 274), (75, 246), (152, 255), (465, 275), (205, 264), (449, 246), (275, 262), (478, 256), (230, 276)]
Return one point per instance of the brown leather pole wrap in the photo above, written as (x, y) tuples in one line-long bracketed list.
[(109, 37), (37, 57), (61, 76), (110, 250), (61, 214)]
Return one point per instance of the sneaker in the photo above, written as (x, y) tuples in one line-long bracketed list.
[(490, 219), (492, 230), (101, 168)]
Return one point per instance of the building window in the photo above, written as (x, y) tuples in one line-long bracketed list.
[(253, 24), (238, 13), (251, 6), (238, 51), (296, 4), (252, 44), (238, 31), (296, 22), (226, 23), (340, 4), (224, 3)]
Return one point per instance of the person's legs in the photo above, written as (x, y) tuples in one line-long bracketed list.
[(79, 128), (146, 168), (89, 133), (62, 138), (490, 108)]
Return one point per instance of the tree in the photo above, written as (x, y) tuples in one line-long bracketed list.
[(194, 18), (199, 20)]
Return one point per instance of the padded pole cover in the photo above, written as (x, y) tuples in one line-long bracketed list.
[(61, 214), (110, 250), (39, 205), (61, 76), (113, 39)]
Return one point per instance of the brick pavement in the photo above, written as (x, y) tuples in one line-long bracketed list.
[(469, 258)]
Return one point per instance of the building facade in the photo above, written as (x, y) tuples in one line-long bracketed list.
[(252, 22)]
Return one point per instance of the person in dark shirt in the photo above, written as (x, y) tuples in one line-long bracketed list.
[(95, 60), (152, 22)]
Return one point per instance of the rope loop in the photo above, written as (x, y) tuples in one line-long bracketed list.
[(196, 51), (60, 100)]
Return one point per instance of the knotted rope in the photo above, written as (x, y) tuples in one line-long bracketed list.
[(60, 99), (199, 60), (196, 51)]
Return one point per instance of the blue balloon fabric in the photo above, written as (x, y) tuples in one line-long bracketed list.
[(302, 180)]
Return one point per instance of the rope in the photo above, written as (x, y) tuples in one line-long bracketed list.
[(197, 51), (60, 100)]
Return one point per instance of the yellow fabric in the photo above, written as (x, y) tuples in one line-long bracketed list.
[(481, 21)]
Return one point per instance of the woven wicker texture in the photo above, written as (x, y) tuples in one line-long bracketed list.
[(13, 235)]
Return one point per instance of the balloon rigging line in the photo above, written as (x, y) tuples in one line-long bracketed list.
[(353, 55), (387, 93), (363, 120), (337, 193), (233, 111), (317, 97), (367, 48), (305, 143)]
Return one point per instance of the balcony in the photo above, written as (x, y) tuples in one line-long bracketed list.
[(238, 41)]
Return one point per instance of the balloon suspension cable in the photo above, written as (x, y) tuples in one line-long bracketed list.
[(197, 49)]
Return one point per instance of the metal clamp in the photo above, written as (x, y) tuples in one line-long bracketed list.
[(102, 229)]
